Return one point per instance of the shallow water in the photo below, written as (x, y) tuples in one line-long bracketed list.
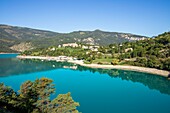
[(97, 90)]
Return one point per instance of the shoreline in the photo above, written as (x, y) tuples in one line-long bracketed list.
[(163, 73), (9, 53)]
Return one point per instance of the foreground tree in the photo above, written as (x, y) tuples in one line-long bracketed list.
[(64, 104), (34, 97)]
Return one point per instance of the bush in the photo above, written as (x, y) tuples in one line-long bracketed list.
[(99, 63), (115, 62), (166, 64), (141, 61), (87, 62)]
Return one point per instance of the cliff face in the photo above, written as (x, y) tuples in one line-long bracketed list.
[(22, 47), (14, 38)]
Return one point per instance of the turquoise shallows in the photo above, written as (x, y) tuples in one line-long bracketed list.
[(97, 90)]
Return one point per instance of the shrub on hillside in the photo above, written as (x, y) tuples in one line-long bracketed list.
[(115, 62)]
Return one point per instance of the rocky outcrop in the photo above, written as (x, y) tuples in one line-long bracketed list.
[(22, 47)]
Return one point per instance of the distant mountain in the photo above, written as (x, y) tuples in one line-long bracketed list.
[(15, 39), (14, 32), (11, 36)]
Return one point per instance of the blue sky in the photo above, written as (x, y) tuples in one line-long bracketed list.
[(144, 17)]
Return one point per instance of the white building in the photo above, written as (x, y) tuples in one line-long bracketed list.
[(59, 46), (85, 47), (70, 45), (128, 49), (52, 49)]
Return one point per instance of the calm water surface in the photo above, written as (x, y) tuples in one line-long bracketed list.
[(97, 90)]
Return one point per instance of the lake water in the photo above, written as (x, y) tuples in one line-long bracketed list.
[(97, 90)]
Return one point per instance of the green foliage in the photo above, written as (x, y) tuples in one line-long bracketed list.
[(64, 104), (141, 61), (7, 98), (100, 63), (115, 62), (152, 53), (69, 51), (34, 97), (104, 61), (166, 64)]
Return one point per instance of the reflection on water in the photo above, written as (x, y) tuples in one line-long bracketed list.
[(14, 66), (157, 82)]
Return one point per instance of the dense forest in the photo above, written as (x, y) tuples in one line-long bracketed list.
[(151, 52), (154, 53), (34, 97)]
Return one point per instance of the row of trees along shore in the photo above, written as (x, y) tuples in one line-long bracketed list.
[(151, 52)]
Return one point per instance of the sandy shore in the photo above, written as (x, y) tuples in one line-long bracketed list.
[(123, 67)]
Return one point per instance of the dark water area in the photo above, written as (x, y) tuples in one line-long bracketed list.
[(97, 90)]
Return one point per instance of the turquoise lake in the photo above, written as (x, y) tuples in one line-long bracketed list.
[(97, 90)]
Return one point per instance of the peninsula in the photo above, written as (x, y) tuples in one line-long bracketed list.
[(150, 55), (80, 62)]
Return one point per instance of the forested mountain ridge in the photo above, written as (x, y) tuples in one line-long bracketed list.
[(13, 38)]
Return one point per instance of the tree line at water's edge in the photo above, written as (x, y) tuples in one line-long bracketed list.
[(34, 97), (151, 52)]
